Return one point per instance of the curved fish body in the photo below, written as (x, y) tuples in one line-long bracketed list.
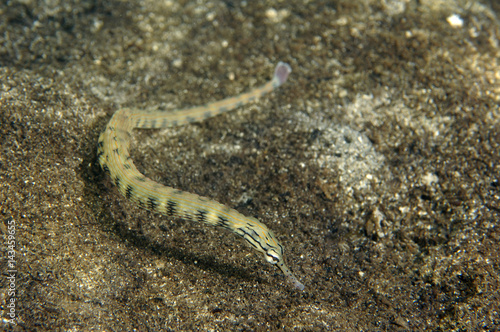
[(114, 158)]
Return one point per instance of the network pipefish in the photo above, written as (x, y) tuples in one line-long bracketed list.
[(114, 157)]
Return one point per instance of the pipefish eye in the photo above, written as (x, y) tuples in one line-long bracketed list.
[(273, 257)]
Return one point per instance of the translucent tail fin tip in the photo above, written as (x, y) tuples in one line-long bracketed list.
[(282, 71)]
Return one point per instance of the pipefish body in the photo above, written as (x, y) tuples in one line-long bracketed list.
[(114, 158)]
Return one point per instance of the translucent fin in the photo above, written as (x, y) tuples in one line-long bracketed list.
[(281, 72)]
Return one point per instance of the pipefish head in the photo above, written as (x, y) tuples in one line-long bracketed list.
[(276, 258), (273, 252)]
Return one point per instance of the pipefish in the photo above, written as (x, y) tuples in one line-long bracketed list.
[(114, 158)]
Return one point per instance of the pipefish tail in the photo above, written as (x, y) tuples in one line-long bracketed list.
[(114, 158)]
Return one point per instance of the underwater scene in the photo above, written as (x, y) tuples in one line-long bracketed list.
[(250, 165)]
